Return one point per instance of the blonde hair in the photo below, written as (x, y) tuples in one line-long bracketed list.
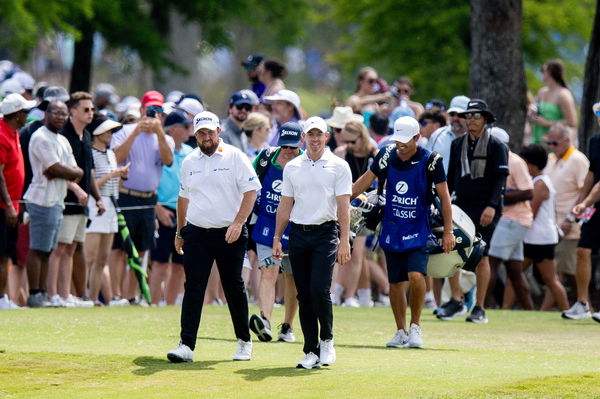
[(358, 129), (255, 120)]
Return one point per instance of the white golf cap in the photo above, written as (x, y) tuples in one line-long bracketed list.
[(10, 86), (206, 120), (190, 105), (405, 128), (14, 103), (458, 104), (315, 122), (290, 97)]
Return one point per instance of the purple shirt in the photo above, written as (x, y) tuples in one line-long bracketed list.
[(146, 166)]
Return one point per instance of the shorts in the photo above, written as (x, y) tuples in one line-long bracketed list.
[(399, 264), (105, 223), (72, 229), (163, 248), (539, 253), (507, 240), (265, 259), (566, 256), (8, 238), (590, 238), (474, 212), (44, 226), (140, 222)]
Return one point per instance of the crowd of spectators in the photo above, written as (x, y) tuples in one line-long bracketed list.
[(71, 162)]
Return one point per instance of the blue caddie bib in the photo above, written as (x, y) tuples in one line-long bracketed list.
[(405, 224), (270, 195)]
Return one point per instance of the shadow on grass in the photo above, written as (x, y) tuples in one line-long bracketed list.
[(152, 365), (259, 374)]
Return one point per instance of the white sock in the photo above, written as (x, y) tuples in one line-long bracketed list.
[(364, 295)]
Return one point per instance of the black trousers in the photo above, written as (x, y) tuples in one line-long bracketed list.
[(201, 248), (313, 251)]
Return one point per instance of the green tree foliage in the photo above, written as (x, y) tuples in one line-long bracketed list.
[(22, 22), (430, 40)]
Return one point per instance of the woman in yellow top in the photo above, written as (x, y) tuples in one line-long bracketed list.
[(554, 102)]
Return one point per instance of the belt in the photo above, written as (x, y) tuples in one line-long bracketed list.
[(207, 229), (136, 193), (313, 227)]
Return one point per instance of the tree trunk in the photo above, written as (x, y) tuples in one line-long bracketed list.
[(591, 85), (497, 73), (81, 71)]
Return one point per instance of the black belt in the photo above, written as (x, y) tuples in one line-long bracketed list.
[(314, 227), (207, 230)]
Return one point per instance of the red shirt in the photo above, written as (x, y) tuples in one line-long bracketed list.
[(12, 159)]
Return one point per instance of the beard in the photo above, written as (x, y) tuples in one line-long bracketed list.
[(456, 127), (208, 147)]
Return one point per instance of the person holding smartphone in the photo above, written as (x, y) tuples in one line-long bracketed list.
[(146, 146)]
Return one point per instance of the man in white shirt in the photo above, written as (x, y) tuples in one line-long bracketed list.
[(53, 166), (217, 194), (315, 197)]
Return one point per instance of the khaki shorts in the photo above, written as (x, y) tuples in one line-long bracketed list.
[(565, 255), (72, 229)]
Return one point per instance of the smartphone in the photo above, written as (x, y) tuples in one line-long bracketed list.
[(151, 113)]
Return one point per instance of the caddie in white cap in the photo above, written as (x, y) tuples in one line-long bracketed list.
[(408, 171)]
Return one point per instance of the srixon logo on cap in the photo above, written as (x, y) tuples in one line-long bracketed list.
[(288, 133), (204, 118)]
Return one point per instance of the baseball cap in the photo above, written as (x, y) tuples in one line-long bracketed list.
[(435, 103), (175, 118), (15, 102), (500, 134), (240, 98), (11, 86), (596, 107), (290, 134), (101, 124), (106, 91), (53, 93), (25, 79), (252, 61), (206, 120), (458, 104), (175, 96), (290, 97), (253, 97), (315, 122), (405, 128), (190, 105), (153, 97), (398, 112)]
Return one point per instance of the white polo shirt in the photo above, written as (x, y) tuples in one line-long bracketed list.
[(215, 185), (46, 149), (315, 186)]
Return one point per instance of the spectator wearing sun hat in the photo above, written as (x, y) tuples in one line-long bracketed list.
[(339, 118), (285, 105)]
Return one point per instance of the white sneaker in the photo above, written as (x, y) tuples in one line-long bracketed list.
[(58, 302), (415, 337), (400, 340), (244, 350), (286, 334), (84, 302), (6, 303), (310, 361), (596, 316), (577, 312), (364, 297), (351, 302), (383, 300), (182, 353), (327, 349), (118, 301)]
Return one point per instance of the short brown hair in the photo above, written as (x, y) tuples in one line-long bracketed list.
[(78, 96)]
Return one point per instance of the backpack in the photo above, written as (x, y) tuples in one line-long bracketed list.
[(265, 158)]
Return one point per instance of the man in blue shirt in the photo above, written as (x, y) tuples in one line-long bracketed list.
[(163, 251), (409, 172)]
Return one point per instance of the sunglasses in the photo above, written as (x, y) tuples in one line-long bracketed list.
[(245, 107), (473, 115), (336, 130), (288, 147), (597, 113), (554, 143), (86, 109), (154, 108), (350, 141), (371, 81), (404, 91), (452, 114)]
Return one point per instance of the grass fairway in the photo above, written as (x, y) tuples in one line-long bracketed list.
[(121, 353)]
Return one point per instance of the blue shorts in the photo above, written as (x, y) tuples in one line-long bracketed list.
[(44, 226), (399, 264)]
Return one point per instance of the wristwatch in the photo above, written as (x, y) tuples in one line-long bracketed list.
[(178, 235)]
